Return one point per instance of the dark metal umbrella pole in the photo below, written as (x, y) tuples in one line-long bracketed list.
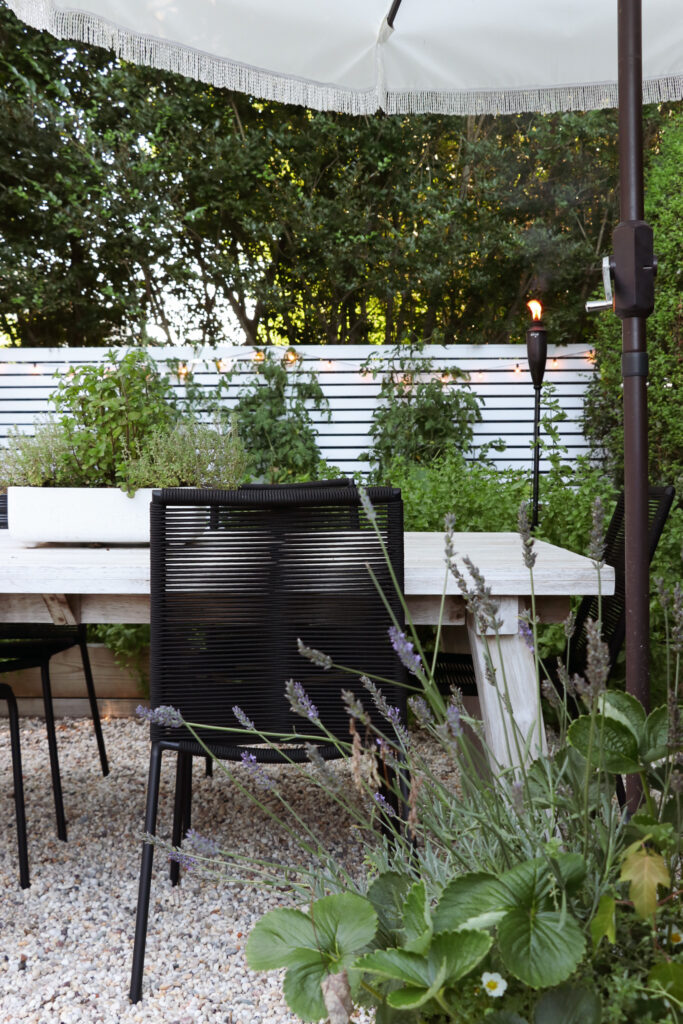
[(634, 272), (536, 350)]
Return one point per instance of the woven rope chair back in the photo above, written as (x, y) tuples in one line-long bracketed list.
[(237, 576), (613, 607)]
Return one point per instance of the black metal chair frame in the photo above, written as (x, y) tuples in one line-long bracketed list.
[(25, 646), (7, 694), (165, 548)]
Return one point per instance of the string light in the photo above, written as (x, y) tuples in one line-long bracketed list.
[(445, 377), (259, 356), (555, 363), (183, 370), (223, 365), (291, 357), (518, 368)]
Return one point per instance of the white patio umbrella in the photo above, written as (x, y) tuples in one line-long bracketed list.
[(358, 56), (449, 57)]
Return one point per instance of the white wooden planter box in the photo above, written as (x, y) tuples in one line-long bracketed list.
[(78, 515)]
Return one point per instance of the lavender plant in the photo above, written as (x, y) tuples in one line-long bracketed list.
[(509, 896)]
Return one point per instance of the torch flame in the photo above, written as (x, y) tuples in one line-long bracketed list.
[(536, 309)]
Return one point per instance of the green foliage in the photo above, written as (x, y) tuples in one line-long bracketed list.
[(125, 185), (130, 646), (107, 410), (419, 417), (325, 941), (189, 453), (105, 413), (568, 1005), (118, 424), (275, 422), (481, 497), (604, 407)]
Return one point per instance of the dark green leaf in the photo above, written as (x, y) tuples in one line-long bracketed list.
[(568, 1004), (473, 901), (387, 894), (276, 939), (670, 977), (541, 948), (301, 988), (614, 746), (343, 923)]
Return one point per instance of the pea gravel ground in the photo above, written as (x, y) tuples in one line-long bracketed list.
[(66, 942)]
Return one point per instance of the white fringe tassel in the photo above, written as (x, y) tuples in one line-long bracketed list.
[(226, 74)]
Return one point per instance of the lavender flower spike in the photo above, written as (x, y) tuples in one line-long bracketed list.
[(316, 657), (384, 805), (164, 715), (258, 774), (404, 649), (202, 846), (527, 634), (299, 701), (367, 505), (245, 722)]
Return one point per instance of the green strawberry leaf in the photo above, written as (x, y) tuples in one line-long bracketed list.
[(540, 947)]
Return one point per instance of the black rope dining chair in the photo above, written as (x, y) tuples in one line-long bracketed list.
[(458, 669), (236, 577)]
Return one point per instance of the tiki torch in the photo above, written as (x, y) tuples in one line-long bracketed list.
[(536, 350)]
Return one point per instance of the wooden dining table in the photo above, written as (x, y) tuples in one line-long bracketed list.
[(69, 584)]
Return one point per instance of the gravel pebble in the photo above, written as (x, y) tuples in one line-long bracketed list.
[(66, 942)]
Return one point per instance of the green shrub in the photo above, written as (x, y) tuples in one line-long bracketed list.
[(419, 417), (274, 416), (105, 413), (604, 408)]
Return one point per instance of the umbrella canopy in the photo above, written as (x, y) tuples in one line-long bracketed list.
[(359, 56)]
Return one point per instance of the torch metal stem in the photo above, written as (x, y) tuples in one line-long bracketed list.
[(537, 455)]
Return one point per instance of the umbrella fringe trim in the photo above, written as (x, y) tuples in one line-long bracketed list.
[(225, 74)]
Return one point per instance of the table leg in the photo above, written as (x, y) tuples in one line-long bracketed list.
[(511, 710)]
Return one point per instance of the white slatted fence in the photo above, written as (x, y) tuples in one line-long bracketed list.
[(498, 374)]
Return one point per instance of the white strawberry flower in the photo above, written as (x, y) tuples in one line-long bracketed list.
[(494, 984)]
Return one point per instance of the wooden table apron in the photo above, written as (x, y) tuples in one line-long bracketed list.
[(66, 585)]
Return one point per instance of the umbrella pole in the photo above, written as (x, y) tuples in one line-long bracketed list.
[(634, 269)]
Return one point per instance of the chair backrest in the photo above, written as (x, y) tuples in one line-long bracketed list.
[(613, 608), (237, 576)]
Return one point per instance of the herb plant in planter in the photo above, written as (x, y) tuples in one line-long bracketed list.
[(117, 428)]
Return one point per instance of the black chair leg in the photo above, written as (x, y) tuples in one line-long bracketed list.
[(142, 915), (181, 811), (52, 747), (7, 694), (94, 710)]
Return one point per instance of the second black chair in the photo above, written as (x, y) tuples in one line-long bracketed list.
[(25, 646), (458, 670)]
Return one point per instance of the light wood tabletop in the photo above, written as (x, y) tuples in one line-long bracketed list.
[(68, 584)]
